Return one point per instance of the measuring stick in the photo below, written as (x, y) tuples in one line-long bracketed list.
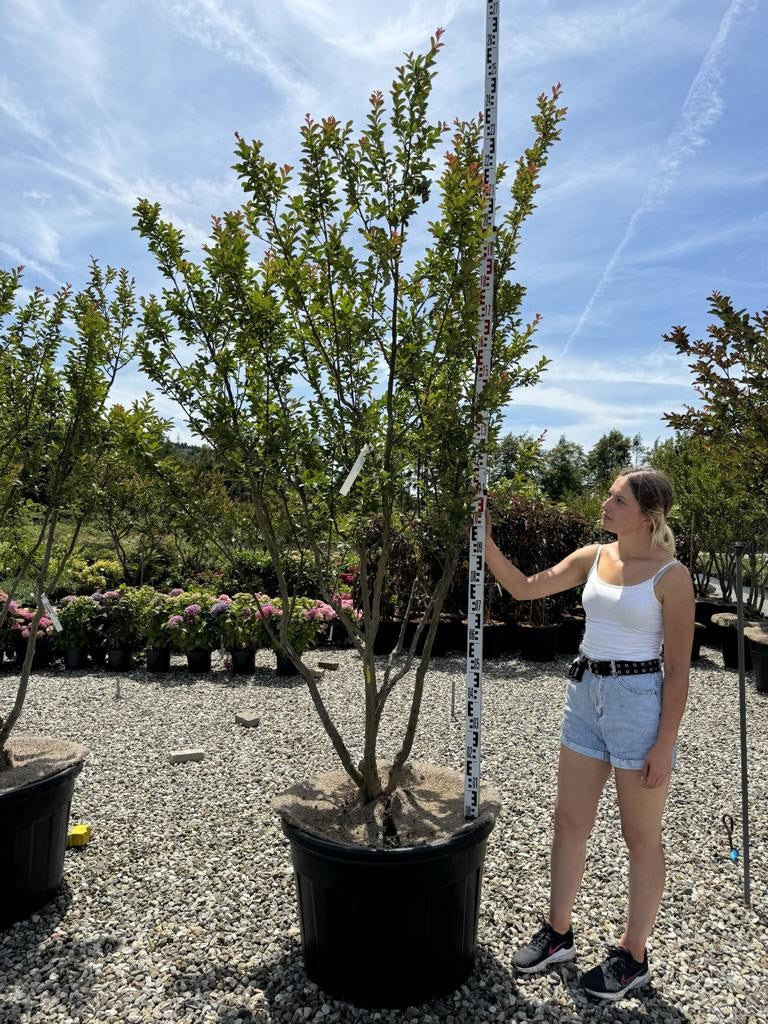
[(475, 599)]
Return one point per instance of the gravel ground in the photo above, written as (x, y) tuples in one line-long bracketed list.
[(182, 907)]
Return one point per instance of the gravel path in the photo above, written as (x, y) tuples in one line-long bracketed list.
[(182, 907)]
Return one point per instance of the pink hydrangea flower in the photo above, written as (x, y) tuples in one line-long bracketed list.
[(175, 621), (192, 611), (176, 591)]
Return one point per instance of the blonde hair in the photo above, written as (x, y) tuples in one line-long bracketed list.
[(653, 492)]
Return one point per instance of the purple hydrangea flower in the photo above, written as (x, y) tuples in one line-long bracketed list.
[(70, 597), (98, 597), (218, 609), (175, 621), (111, 595), (192, 611), (176, 591)]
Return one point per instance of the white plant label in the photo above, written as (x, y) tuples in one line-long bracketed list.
[(354, 472), (482, 370), (50, 611)]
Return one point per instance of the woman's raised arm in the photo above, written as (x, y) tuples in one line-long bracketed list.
[(571, 572)]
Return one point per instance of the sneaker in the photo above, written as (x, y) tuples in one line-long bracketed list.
[(546, 947), (616, 975)]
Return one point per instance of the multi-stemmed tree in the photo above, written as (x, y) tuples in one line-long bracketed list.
[(335, 315)]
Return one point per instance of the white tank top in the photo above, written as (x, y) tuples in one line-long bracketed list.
[(622, 622)]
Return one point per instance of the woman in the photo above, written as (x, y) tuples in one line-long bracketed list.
[(620, 714)]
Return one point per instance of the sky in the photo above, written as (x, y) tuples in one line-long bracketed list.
[(656, 195)]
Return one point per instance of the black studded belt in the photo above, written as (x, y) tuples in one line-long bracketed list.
[(612, 668)]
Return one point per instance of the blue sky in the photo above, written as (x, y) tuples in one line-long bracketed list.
[(655, 196)]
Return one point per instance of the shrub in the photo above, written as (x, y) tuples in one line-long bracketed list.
[(78, 617)]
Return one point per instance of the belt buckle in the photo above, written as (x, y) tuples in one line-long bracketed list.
[(613, 667)]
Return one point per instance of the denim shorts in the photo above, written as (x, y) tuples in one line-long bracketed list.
[(613, 718)]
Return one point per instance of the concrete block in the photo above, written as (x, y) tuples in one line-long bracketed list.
[(247, 717), (180, 756)]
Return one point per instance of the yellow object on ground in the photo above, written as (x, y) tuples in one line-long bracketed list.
[(78, 835)]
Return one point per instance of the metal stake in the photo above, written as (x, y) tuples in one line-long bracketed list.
[(739, 547)]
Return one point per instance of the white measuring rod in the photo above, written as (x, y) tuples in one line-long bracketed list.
[(475, 599)]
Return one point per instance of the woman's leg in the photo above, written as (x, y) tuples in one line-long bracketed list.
[(641, 812), (580, 781)]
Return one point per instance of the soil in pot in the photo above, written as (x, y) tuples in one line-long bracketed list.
[(35, 799), (199, 660), (243, 662), (75, 658), (537, 643), (357, 903), (158, 659)]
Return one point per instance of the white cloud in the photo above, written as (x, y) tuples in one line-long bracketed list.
[(702, 107), (30, 121)]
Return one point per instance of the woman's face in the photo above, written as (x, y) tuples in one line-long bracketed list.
[(620, 511)]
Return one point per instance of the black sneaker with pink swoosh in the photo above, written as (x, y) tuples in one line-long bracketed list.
[(618, 974), (545, 948)]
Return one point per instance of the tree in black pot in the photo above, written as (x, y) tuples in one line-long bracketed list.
[(317, 341), (54, 386)]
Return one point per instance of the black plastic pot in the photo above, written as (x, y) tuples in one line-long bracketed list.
[(705, 609), (538, 643), (119, 659), (759, 653), (571, 634), (199, 660), (285, 666), (386, 636), (388, 928), (75, 658), (729, 645), (243, 662), (158, 659), (699, 632), (33, 837), (97, 655)]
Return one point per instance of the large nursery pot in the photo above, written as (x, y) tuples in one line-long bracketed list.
[(757, 638), (243, 661), (158, 659), (285, 666), (119, 659), (75, 658), (35, 799), (571, 633), (725, 626), (699, 634), (199, 660), (705, 609), (389, 927), (537, 643)]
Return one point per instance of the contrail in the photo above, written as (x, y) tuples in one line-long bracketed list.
[(701, 109)]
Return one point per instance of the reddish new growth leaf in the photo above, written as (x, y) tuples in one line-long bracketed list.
[(377, 98)]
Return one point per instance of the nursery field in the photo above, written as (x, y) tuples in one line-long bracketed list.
[(182, 906)]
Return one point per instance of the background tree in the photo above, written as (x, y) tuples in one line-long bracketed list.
[(609, 454), (563, 471), (53, 392), (519, 459), (382, 342), (730, 372)]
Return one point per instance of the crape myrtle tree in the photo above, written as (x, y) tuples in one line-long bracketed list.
[(325, 318), (730, 370), (59, 357)]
